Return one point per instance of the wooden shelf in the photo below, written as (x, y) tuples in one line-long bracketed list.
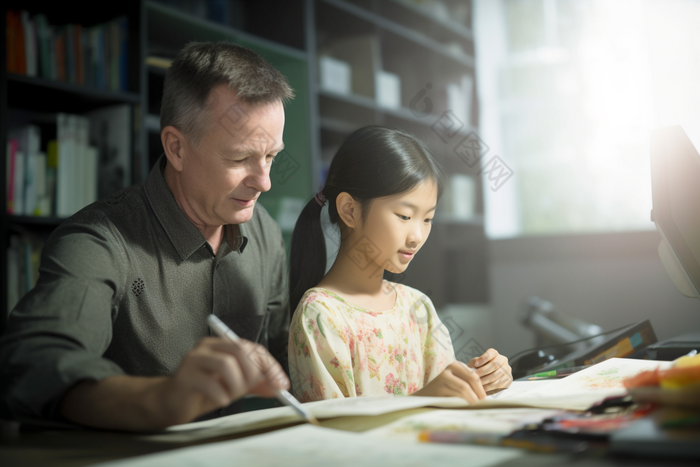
[(34, 220), (455, 27), (371, 104), (156, 70), (477, 221), (174, 22), (402, 31), (337, 126), (33, 93)]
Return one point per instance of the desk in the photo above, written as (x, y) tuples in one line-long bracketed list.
[(53, 448)]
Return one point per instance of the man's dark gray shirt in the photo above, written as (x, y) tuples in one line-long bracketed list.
[(125, 287)]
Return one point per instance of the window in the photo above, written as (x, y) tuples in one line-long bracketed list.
[(569, 91)]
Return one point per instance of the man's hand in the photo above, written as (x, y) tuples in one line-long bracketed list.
[(494, 371), (457, 380), (216, 373), (212, 375)]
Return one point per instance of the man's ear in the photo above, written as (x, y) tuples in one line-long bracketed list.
[(174, 146), (348, 209)]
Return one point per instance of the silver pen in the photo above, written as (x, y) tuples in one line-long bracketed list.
[(283, 395)]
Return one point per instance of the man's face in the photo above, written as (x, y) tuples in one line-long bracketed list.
[(225, 173)]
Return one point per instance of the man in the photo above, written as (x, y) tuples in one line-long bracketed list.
[(114, 334)]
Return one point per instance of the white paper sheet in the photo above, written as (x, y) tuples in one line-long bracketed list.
[(308, 446), (495, 421), (578, 391)]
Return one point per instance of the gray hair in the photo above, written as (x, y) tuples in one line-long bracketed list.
[(199, 67)]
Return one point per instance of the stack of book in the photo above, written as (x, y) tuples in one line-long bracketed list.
[(88, 159), (23, 256), (93, 56)]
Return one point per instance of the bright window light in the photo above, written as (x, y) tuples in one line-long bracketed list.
[(569, 92)]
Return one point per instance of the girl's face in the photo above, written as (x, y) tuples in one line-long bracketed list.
[(397, 226)]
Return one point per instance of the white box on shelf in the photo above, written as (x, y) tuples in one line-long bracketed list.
[(459, 98), (463, 197), (458, 202), (335, 75), (388, 87)]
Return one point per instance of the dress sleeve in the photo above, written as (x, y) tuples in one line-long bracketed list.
[(438, 351), (319, 355)]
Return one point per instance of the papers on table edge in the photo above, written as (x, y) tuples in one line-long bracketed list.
[(310, 446)]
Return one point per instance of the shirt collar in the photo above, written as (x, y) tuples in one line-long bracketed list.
[(183, 234)]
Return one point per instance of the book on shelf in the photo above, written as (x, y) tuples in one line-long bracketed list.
[(14, 36), (89, 151), (23, 257), (95, 56), (158, 62)]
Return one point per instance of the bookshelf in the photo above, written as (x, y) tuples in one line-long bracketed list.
[(422, 46), (417, 44), (77, 83)]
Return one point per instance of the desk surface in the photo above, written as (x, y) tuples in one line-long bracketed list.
[(54, 448)]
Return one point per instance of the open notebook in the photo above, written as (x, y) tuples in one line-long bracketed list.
[(576, 392)]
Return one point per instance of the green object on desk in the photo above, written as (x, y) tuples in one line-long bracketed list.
[(560, 372), (546, 374)]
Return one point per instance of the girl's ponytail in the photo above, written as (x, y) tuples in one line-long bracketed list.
[(308, 252)]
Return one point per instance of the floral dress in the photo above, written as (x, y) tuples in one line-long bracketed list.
[(338, 349)]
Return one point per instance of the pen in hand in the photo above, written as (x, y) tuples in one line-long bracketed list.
[(283, 395)]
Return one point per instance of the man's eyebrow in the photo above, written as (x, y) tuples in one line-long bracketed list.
[(413, 206), (242, 150)]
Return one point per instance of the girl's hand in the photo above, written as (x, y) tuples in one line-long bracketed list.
[(494, 371), (457, 380)]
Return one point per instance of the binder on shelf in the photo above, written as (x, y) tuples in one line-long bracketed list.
[(10, 162), (43, 46), (29, 44), (65, 136)]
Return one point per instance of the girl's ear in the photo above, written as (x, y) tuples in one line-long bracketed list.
[(348, 209)]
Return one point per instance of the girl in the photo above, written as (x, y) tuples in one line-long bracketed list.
[(352, 332)]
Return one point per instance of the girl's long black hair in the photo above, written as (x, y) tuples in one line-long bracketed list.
[(372, 162)]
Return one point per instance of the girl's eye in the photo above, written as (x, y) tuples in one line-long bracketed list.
[(404, 218), (429, 221)]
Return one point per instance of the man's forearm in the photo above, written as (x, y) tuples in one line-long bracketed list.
[(117, 402)]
